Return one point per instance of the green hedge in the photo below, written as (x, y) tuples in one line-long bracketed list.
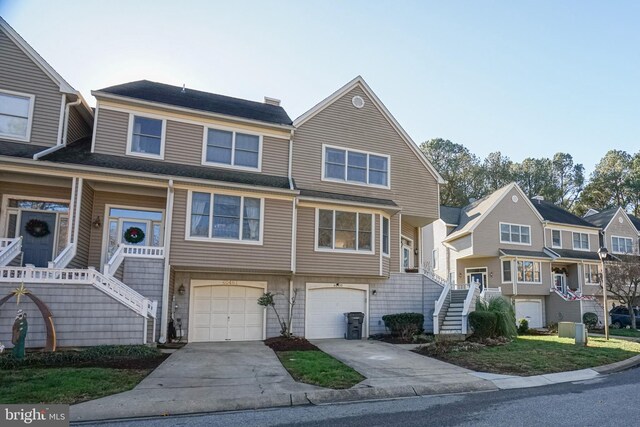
[(404, 324), (483, 323), (101, 353), (590, 320)]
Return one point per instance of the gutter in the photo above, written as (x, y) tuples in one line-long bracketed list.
[(289, 173), (63, 142)]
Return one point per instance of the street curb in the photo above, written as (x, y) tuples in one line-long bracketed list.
[(623, 365)]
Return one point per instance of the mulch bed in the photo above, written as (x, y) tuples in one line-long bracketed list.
[(290, 344)]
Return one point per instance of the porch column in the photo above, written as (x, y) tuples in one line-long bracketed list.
[(167, 267)]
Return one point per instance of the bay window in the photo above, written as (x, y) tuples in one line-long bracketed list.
[(385, 235), (344, 231), (529, 272), (506, 271), (591, 273)]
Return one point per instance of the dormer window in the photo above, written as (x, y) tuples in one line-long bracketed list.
[(146, 136), (16, 114), (355, 167), (232, 149)]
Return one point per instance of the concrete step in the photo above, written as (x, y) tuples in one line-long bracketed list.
[(456, 304), (453, 318)]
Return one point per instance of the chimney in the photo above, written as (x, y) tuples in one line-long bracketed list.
[(538, 198), (272, 101)]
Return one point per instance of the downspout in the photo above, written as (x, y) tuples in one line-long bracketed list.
[(167, 267), (515, 277), (60, 143), (289, 170)]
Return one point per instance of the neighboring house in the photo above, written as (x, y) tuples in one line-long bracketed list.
[(620, 230), (539, 255), (172, 203)]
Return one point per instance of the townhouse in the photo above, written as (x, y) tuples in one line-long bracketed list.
[(169, 203), (537, 254)]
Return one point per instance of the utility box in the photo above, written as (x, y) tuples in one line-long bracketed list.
[(581, 334), (354, 325), (566, 330)]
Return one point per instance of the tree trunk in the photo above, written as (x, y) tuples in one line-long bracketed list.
[(633, 316)]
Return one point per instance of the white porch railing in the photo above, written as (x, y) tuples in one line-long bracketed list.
[(469, 306), (570, 295), (488, 293), (9, 249), (64, 258), (431, 275), (445, 296), (107, 284), (131, 251)]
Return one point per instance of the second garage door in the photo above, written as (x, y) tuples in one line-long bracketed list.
[(226, 313), (530, 310), (326, 307)]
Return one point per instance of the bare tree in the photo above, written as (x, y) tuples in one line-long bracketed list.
[(268, 300), (623, 282)]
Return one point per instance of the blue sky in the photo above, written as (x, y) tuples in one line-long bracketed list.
[(528, 78)]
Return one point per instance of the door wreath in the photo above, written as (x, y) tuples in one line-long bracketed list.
[(37, 228), (134, 235)]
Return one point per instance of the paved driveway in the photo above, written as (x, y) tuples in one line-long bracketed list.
[(203, 377), (388, 365)]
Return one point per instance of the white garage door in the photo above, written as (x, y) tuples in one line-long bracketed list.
[(326, 308), (226, 313), (530, 310)]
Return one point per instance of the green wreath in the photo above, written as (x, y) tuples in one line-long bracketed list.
[(37, 228), (134, 235)]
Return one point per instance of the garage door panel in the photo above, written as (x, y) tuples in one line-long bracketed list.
[(530, 310), (326, 308), (219, 291)]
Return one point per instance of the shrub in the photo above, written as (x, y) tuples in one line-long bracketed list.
[(590, 320), (553, 327), (506, 323), (483, 323), (523, 326), (406, 325)]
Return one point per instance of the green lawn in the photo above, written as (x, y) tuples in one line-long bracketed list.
[(318, 368), (65, 385), (535, 355), (634, 333)]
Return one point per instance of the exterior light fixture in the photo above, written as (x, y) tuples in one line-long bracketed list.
[(602, 253)]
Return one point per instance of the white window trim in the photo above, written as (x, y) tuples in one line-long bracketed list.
[(234, 131), (333, 238), (239, 241), (32, 102), (556, 246), (162, 136), (625, 238), (502, 271), (526, 282), (585, 275), (434, 258), (386, 254), (344, 181), (573, 242), (484, 272), (509, 242)]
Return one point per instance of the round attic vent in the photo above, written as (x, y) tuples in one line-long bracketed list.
[(357, 101), (620, 220), (514, 198)]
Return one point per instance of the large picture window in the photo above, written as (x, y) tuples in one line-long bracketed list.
[(621, 245), (514, 233), (345, 231), (356, 167), (529, 272), (146, 136), (591, 273), (16, 113), (229, 148), (225, 217)]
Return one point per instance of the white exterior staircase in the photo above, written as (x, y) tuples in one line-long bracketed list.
[(9, 249), (452, 323)]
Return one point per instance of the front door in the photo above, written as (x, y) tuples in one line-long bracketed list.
[(37, 249), (560, 280), (478, 276)]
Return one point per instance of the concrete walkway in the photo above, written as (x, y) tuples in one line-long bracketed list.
[(388, 365)]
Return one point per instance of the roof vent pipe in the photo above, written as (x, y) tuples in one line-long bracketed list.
[(272, 101), (538, 198)]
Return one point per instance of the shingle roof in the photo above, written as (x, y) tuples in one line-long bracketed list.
[(635, 220), (601, 219), (347, 198), (554, 213), (450, 215), (80, 153), (16, 149), (204, 101), (518, 252), (570, 253)]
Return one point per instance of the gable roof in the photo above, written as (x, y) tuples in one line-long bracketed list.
[(553, 213), (635, 221), (474, 213), (450, 215), (36, 58), (359, 82), (161, 93), (604, 218)]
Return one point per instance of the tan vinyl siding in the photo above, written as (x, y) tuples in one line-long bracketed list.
[(77, 127), (183, 142), (567, 238), (85, 228), (35, 190), (103, 198), (310, 261), (620, 229), (20, 74), (273, 255), (486, 236), (340, 124)]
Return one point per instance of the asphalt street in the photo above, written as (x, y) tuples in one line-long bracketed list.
[(606, 401)]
